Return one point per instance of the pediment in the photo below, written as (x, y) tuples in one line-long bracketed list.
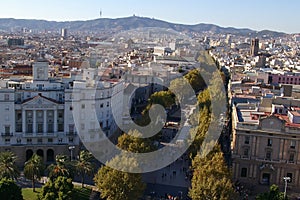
[(39, 102), (271, 123)]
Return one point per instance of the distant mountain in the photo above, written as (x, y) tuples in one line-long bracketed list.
[(126, 23)]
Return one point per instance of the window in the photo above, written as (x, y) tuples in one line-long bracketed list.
[(247, 139), (107, 104), (82, 126), (19, 116), (71, 128), (292, 157), (101, 105), (291, 177), (7, 130), (246, 152), (82, 106), (293, 144), (268, 155), (244, 172), (71, 108), (269, 142), (6, 97)]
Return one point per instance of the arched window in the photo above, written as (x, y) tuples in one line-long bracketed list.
[(29, 154), (50, 155), (40, 152)]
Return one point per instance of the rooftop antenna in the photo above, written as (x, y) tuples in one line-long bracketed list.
[(100, 13)]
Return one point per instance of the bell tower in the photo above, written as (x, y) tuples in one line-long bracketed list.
[(40, 68)]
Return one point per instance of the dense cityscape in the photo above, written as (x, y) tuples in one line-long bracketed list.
[(66, 94)]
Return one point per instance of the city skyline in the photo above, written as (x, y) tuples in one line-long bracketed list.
[(256, 15)]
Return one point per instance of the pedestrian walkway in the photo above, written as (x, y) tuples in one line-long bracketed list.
[(176, 174)]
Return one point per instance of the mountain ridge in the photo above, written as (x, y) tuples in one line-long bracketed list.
[(125, 23)]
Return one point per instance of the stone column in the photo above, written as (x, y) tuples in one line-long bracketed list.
[(281, 149), (34, 122), (45, 121), (257, 146), (55, 121), (23, 121)]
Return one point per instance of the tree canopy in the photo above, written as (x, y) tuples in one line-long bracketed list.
[(34, 169), (164, 98), (8, 169), (84, 165), (9, 190), (118, 185), (272, 194), (211, 178), (59, 189), (62, 167), (133, 143)]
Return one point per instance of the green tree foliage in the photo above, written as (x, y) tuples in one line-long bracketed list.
[(195, 79), (273, 194), (211, 178), (62, 167), (34, 169), (84, 165), (9, 190), (118, 185), (133, 143), (8, 169), (164, 98), (200, 132), (204, 99), (60, 189)]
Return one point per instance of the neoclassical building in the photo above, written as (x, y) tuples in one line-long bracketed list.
[(266, 142), (37, 115)]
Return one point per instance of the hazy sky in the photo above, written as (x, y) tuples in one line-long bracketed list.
[(280, 15)]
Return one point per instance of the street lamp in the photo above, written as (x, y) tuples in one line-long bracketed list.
[(286, 179), (71, 149)]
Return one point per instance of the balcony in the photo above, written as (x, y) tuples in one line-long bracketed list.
[(7, 134), (71, 133)]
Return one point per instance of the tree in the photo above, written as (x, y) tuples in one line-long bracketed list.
[(195, 79), (60, 189), (133, 143), (8, 169), (273, 194), (211, 178), (164, 98), (118, 185), (200, 131), (181, 88), (62, 167), (84, 165), (34, 169), (9, 190)]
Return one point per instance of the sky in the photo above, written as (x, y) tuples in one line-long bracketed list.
[(277, 15)]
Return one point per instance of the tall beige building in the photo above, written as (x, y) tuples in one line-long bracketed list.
[(266, 142)]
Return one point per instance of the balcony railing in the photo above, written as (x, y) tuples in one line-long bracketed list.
[(7, 134)]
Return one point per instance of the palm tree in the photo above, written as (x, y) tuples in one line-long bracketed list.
[(84, 165), (60, 168), (34, 169), (8, 168)]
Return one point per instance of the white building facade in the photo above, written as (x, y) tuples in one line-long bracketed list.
[(38, 115)]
